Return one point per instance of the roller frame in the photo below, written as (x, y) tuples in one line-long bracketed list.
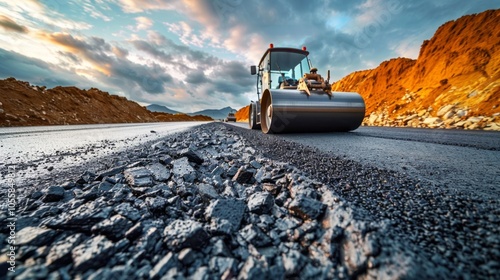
[(311, 106)]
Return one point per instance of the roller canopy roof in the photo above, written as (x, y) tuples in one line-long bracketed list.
[(286, 58)]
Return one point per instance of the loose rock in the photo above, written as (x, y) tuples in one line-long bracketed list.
[(260, 203), (53, 194), (92, 253), (312, 216), (185, 234), (306, 208)]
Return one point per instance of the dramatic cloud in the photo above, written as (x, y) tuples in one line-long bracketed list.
[(193, 55), (196, 77), (10, 25), (112, 61), (97, 10), (194, 68), (186, 33), (36, 71), (47, 13), (143, 23), (137, 6)]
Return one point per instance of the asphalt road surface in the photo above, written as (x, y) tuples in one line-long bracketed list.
[(456, 159), (32, 152)]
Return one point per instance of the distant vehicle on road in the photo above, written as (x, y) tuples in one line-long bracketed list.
[(230, 117)]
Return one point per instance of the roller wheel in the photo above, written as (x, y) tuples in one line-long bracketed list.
[(252, 117), (266, 113)]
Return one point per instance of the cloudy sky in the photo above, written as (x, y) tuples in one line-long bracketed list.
[(191, 55)]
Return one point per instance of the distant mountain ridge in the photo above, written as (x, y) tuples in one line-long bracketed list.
[(213, 113), (162, 109)]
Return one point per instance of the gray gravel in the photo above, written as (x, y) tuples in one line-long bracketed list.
[(218, 202), (453, 159), (457, 229)]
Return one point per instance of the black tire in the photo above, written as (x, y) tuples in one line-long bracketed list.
[(252, 117)]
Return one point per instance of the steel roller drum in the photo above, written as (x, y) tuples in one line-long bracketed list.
[(288, 111)]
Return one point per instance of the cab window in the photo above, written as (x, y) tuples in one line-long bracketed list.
[(292, 65)]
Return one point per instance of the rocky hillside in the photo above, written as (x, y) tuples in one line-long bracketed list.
[(454, 83), (242, 114), (22, 104)]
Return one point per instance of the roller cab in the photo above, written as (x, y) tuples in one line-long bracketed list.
[(293, 97)]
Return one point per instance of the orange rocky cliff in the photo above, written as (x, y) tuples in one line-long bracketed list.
[(454, 83), (22, 104), (242, 114)]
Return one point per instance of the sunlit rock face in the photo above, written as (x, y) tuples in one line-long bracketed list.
[(456, 79), (22, 104)]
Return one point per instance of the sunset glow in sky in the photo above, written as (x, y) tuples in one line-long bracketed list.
[(191, 55)]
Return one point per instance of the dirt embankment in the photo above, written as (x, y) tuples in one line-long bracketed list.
[(242, 114), (22, 104), (454, 83)]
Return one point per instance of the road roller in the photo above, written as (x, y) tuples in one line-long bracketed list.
[(293, 97)]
